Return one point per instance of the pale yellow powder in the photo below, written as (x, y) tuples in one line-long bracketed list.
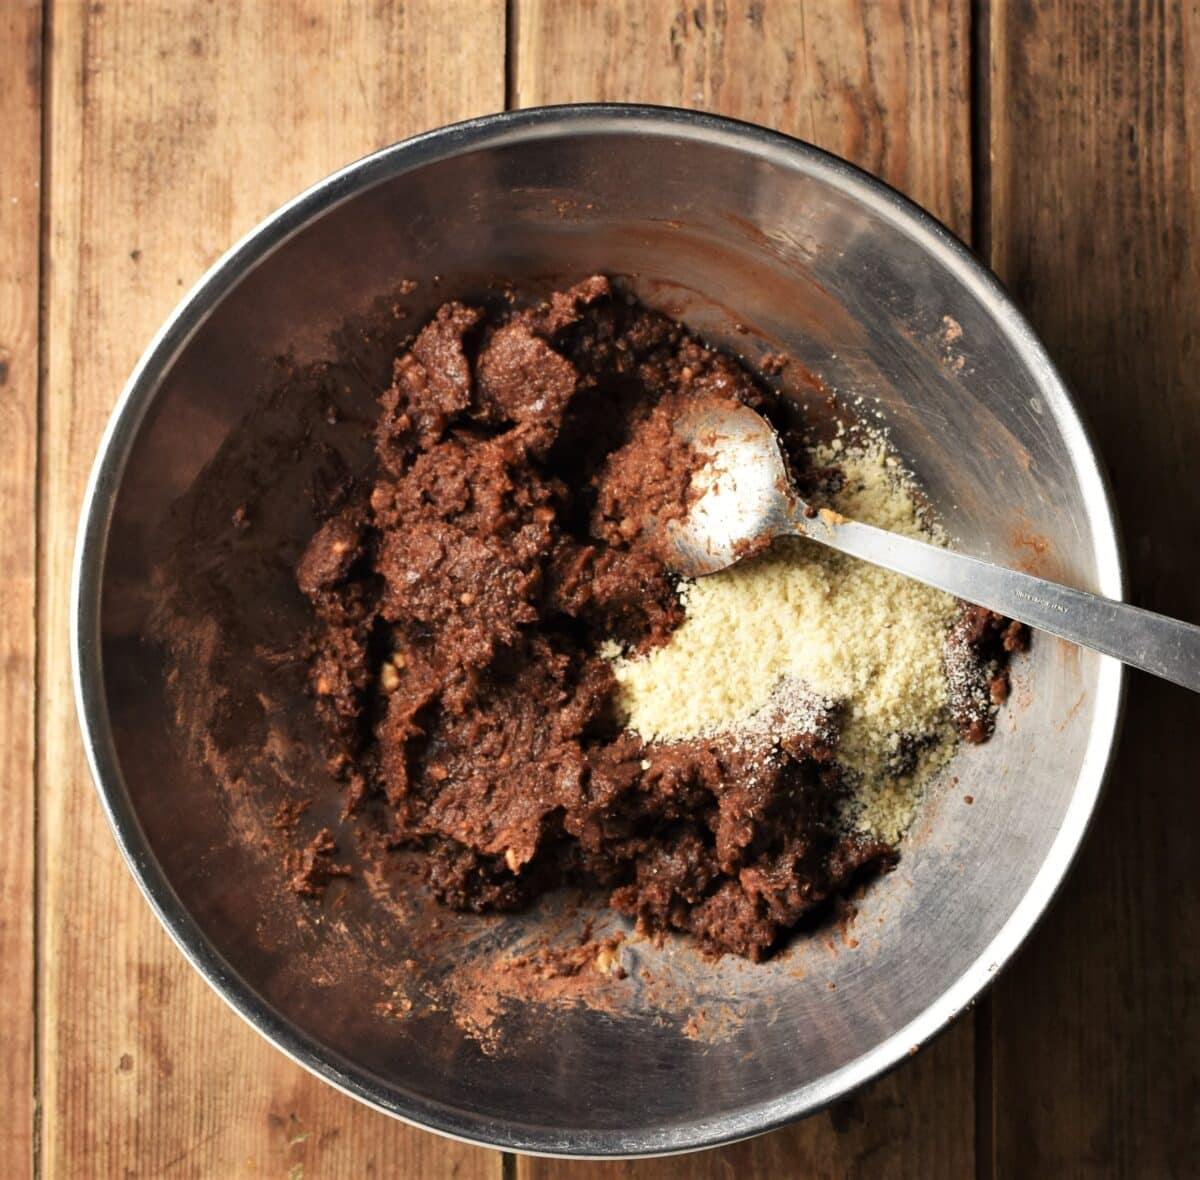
[(853, 634)]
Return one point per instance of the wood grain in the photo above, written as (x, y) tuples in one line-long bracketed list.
[(20, 226), (886, 85), (1096, 227), (176, 126)]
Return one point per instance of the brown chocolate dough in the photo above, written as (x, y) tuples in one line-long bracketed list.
[(462, 596)]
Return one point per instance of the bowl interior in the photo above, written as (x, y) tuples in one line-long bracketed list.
[(722, 228)]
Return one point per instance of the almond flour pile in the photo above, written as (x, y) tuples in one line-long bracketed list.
[(868, 644)]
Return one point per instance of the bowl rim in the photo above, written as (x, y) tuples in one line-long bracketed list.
[(507, 129)]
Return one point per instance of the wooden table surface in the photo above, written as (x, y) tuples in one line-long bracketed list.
[(1060, 137)]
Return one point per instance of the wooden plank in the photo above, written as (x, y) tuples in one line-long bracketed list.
[(886, 85), (20, 226), (176, 126), (1096, 227)]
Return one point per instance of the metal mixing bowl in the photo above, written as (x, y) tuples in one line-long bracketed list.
[(724, 224)]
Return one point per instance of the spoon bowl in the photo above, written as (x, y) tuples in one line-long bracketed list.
[(742, 496)]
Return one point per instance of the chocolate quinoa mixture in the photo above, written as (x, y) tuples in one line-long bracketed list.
[(464, 596)]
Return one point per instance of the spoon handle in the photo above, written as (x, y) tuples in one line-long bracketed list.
[(1154, 643)]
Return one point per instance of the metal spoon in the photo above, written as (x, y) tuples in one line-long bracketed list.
[(744, 499)]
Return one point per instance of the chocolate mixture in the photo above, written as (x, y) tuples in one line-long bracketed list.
[(463, 598)]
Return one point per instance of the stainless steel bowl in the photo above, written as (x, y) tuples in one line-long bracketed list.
[(721, 223)]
